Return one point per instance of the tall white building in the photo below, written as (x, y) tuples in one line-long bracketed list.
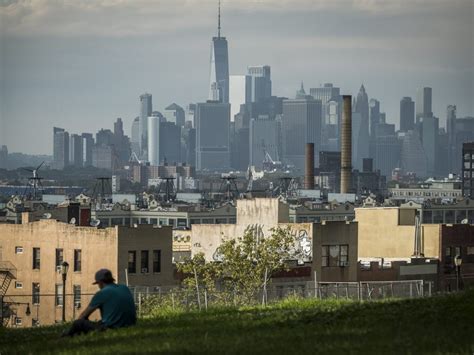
[(154, 140), (239, 93)]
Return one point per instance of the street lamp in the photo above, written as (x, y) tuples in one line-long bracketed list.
[(457, 263), (64, 270)]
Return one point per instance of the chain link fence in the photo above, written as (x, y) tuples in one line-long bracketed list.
[(45, 309)]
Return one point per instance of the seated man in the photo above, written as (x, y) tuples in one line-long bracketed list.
[(117, 308)]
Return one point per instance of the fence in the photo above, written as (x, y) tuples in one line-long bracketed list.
[(44, 309)]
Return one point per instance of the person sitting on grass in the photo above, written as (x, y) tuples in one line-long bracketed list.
[(116, 305)]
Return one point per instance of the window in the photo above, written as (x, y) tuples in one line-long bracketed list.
[(35, 322), (144, 262), (77, 260), (448, 255), (18, 284), (77, 295), (335, 255), (18, 250), (448, 251), (59, 257), (457, 251), (154, 221), (36, 258), (156, 260), (132, 262), (59, 295), (18, 321), (470, 250), (35, 299)]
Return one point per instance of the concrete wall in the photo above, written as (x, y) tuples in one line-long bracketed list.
[(381, 235), (335, 233), (269, 211), (99, 250), (146, 237)]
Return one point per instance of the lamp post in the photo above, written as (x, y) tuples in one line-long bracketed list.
[(64, 270), (457, 263)]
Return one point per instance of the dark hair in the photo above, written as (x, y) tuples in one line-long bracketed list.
[(108, 279)]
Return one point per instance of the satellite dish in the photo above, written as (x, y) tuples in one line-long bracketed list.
[(464, 221), (47, 216), (73, 220), (95, 223)]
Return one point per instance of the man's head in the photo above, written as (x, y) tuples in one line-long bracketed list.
[(103, 277)]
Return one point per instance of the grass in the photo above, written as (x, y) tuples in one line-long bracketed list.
[(438, 325)]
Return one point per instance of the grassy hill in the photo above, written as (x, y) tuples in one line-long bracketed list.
[(438, 325)]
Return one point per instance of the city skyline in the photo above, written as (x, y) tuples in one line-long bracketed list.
[(85, 75)]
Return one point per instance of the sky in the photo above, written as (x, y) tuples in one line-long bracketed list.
[(80, 64)]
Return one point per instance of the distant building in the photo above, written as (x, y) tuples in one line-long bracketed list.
[(103, 157), (360, 131), (240, 91), (219, 67), (4, 157), (135, 141), (423, 103), (87, 145), (468, 170), (212, 136), (301, 124), (76, 153), (104, 137), (407, 114), (264, 139), (387, 149), (170, 142), (153, 140), (413, 158), (430, 135), (374, 116), (121, 142), (175, 114), (261, 83), (60, 148), (146, 109)]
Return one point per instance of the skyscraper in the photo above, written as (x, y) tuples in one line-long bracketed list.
[(175, 114), (240, 92), (153, 140), (135, 141), (263, 139), (301, 124), (413, 158), (360, 135), (3, 157), (145, 112), (219, 73), (423, 103), (430, 132), (407, 114), (261, 82), (76, 150), (87, 145), (60, 148), (212, 135), (374, 116)]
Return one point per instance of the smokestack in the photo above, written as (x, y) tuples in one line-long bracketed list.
[(346, 144), (309, 173)]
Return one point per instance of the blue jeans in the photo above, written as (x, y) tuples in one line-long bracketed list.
[(84, 326)]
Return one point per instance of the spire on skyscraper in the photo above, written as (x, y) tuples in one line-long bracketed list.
[(219, 20)]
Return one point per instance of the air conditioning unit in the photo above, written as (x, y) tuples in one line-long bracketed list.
[(144, 270)]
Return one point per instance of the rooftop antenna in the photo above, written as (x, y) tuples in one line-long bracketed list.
[(34, 184), (219, 20)]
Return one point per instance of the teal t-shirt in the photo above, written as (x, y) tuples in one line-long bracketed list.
[(116, 305)]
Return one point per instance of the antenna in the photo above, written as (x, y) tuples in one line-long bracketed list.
[(219, 21)]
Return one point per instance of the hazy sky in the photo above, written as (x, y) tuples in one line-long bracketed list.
[(80, 64)]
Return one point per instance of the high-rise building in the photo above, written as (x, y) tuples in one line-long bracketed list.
[(121, 142), (261, 82), (468, 170), (239, 93), (459, 130), (374, 116), (360, 132), (145, 112), (263, 140), (103, 157), (423, 103), (104, 137), (153, 140), (4, 157), (76, 150), (135, 141), (212, 135), (87, 145), (407, 114), (430, 132), (175, 114), (413, 158), (170, 142), (301, 124), (387, 149), (60, 148), (219, 77)]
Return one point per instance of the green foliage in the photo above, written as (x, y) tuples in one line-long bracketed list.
[(437, 325)]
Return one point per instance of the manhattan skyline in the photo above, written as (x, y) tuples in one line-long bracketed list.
[(82, 65)]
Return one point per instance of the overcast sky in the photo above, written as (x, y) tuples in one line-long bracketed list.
[(80, 64)]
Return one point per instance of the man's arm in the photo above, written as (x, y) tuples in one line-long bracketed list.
[(87, 312)]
